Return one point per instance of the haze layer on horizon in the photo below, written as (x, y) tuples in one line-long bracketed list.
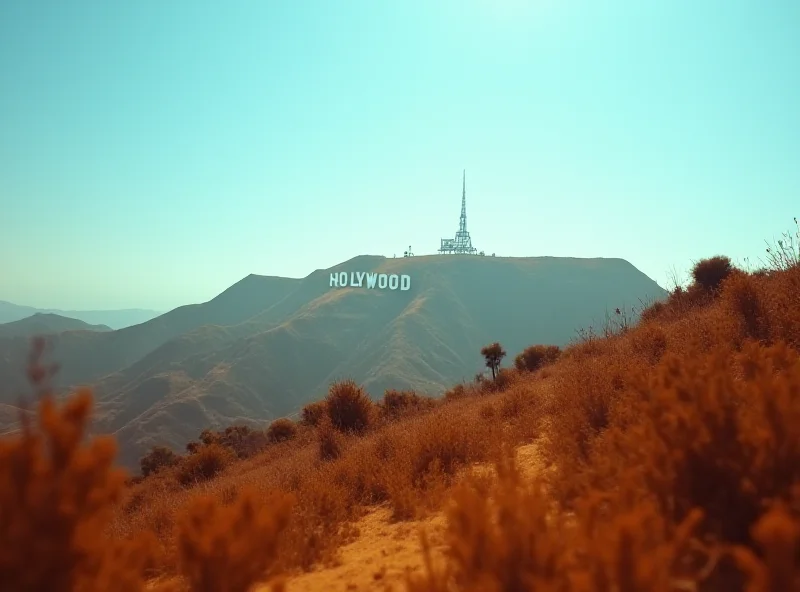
[(154, 153)]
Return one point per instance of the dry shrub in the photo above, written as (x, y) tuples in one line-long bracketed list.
[(281, 430), (208, 462), (709, 273), (231, 548), (654, 312), (396, 404), (694, 436), (457, 392), (349, 408), (536, 356), (740, 295), (588, 386), (779, 293), (316, 530), (57, 494), (242, 440), (330, 441), (777, 534), (159, 457), (501, 541), (508, 538), (649, 342), (442, 444), (313, 413)]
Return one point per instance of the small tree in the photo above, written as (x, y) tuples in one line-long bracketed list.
[(493, 354)]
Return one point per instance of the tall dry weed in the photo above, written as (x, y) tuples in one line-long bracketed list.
[(231, 548), (57, 492)]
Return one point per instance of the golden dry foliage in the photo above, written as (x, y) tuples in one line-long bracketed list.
[(56, 497), (510, 539), (498, 540), (778, 536), (231, 548), (694, 435)]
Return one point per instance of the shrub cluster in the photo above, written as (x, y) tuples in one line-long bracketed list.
[(536, 356), (243, 441), (396, 404)]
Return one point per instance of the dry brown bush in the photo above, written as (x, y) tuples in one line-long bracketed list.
[(330, 441), (57, 492), (159, 457), (536, 356), (396, 404), (281, 430), (242, 440), (709, 273), (649, 342), (741, 296), (231, 548), (313, 413), (349, 408), (206, 463)]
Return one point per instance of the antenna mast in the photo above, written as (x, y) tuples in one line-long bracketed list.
[(462, 243)]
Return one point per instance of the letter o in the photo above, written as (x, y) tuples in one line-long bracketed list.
[(394, 282), (382, 281), (343, 278)]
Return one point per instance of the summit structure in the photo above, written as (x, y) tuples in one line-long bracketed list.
[(462, 243)]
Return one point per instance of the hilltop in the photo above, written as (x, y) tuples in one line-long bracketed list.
[(268, 345), (116, 319), (46, 324)]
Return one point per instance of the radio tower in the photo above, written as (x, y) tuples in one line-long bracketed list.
[(462, 243)]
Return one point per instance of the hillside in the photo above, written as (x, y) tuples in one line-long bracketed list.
[(46, 324), (663, 456), (116, 319), (266, 346)]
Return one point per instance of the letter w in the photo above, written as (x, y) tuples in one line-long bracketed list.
[(371, 279)]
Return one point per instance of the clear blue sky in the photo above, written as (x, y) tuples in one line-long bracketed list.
[(154, 152)]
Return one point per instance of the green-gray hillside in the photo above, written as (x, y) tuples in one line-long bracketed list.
[(268, 345), (45, 324), (257, 362)]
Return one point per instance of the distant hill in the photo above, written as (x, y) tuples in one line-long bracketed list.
[(268, 345), (45, 324), (115, 319)]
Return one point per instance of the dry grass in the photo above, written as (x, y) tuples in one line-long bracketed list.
[(673, 454)]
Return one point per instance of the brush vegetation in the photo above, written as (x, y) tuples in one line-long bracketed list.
[(672, 449)]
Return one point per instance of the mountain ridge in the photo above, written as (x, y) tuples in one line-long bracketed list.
[(267, 345), (42, 323), (115, 319)]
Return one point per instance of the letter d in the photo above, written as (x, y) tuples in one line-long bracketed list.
[(405, 282)]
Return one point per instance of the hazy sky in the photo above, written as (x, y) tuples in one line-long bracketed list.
[(154, 152)]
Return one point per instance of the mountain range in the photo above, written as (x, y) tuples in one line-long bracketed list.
[(116, 319), (42, 323), (267, 345)]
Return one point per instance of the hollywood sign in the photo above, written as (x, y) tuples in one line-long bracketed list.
[(356, 279)]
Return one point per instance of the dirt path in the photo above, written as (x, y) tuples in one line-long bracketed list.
[(380, 556), (384, 550)]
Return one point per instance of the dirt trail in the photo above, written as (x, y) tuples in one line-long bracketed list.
[(384, 551)]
